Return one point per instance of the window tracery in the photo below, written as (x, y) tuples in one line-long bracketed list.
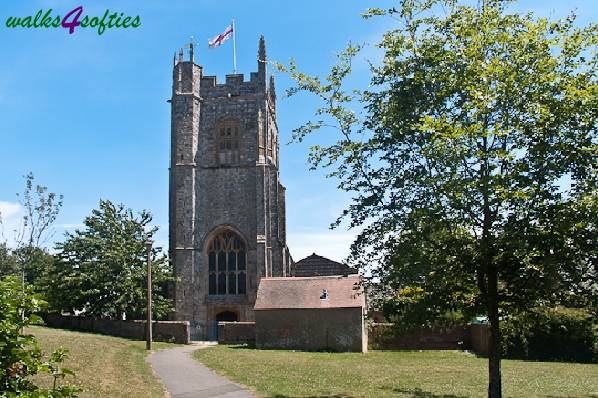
[(227, 264)]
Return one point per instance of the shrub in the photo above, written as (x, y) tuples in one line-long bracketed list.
[(414, 308), (561, 334), (20, 355)]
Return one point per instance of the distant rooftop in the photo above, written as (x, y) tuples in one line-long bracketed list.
[(315, 265)]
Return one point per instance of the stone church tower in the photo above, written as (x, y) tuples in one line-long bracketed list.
[(227, 205)]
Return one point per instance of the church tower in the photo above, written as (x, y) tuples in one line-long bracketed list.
[(227, 205)]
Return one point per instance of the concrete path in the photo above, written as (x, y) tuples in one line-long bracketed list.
[(184, 377)]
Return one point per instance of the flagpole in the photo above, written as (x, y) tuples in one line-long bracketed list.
[(234, 48)]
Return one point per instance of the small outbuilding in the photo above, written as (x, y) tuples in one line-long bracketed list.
[(311, 313)]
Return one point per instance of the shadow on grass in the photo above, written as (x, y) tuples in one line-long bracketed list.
[(419, 393)]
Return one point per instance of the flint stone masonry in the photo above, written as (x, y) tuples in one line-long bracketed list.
[(209, 196), (168, 331)]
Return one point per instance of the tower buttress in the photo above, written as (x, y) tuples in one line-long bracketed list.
[(185, 116)]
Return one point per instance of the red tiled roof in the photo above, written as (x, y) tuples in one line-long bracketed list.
[(305, 292), (315, 265)]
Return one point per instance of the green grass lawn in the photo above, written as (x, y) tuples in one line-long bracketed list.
[(431, 374), (105, 366)]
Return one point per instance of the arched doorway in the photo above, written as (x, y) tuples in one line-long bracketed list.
[(224, 316), (227, 316)]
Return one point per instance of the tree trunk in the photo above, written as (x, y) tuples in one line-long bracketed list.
[(491, 296), (494, 351)]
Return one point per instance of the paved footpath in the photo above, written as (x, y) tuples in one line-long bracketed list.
[(184, 377)]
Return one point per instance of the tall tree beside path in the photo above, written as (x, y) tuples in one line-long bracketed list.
[(472, 156)]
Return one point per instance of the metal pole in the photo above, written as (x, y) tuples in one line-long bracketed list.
[(148, 344), (234, 47)]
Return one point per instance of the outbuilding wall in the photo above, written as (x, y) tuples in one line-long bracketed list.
[(332, 329)]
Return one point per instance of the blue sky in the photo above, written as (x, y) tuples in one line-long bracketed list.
[(87, 114)]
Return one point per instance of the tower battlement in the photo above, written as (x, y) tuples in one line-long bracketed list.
[(235, 84)]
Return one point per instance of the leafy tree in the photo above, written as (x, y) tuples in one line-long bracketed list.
[(475, 121), (20, 356), (101, 269), (34, 263), (548, 334), (8, 263)]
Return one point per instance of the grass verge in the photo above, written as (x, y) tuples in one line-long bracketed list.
[(105, 366), (413, 374)]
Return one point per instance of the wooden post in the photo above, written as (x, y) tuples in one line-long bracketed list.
[(148, 344)]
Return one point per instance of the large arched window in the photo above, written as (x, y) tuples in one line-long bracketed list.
[(227, 142), (227, 265)]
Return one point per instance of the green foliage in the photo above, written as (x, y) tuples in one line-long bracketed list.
[(449, 164), (471, 123), (20, 356), (36, 262), (414, 308), (561, 334), (8, 262), (439, 263), (102, 270), (458, 156)]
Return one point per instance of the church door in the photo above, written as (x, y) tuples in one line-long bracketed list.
[(225, 316)]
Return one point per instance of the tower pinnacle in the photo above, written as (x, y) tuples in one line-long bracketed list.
[(262, 60), (262, 49)]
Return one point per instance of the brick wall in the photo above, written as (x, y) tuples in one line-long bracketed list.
[(333, 329), (169, 331), (236, 332), (470, 337)]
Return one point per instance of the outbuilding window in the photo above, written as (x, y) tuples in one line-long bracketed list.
[(227, 264)]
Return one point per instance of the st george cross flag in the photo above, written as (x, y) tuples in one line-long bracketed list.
[(218, 40)]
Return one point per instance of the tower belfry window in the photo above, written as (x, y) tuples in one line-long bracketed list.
[(227, 142)]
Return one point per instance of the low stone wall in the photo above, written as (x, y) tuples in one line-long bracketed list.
[(236, 332), (470, 337), (169, 331)]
